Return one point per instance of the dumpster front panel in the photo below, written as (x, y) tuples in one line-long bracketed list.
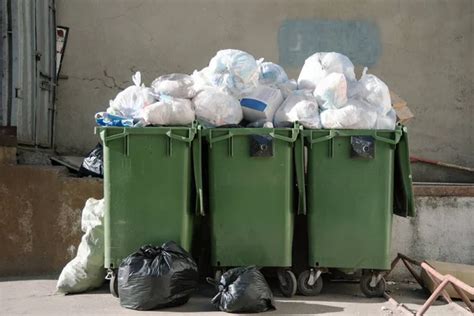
[(251, 202), (350, 199), (147, 189)]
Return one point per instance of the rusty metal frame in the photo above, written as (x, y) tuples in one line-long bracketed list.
[(440, 281)]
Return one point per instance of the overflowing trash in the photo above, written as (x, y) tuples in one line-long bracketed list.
[(236, 88), (243, 290), (156, 277), (86, 270)]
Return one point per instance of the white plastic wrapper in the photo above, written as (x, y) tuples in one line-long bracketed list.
[(375, 92), (86, 271), (130, 102), (233, 71), (174, 85), (300, 106), (271, 74), (169, 111), (319, 65), (355, 115), (387, 121), (261, 103), (331, 92), (216, 108)]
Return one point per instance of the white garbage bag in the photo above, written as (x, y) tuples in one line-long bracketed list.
[(217, 108), (331, 91), (261, 103), (319, 65), (233, 71), (375, 92), (387, 121), (300, 106), (174, 85), (86, 271), (169, 111), (271, 74), (355, 115), (130, 102), (288, 87)]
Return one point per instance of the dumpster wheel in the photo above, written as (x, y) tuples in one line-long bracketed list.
[(372, 291), (305, 288), (113, 284), (287, 282)]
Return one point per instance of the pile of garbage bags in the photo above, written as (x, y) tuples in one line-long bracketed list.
[(235, 88)]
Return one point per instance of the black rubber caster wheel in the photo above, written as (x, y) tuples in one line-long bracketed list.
[(305, 288), (370, 291), (287, 283), (113, 284)]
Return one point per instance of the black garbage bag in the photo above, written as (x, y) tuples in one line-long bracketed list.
[(243, 290), (155, 277), (93, 164)]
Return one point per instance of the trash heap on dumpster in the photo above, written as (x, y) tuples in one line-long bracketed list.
[(237, 89)]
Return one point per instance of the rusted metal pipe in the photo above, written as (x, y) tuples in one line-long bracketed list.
[(440, 163)]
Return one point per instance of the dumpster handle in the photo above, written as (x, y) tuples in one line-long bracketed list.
[(398, 135), (300, 180), (125, 134), (219, 138), (292, 139), (197, 166), (192, 132)]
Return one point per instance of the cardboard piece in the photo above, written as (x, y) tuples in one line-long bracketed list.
[(463, 272), (404, 114)]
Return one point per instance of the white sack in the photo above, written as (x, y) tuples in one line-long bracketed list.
[(331, 92), (130, 102), (300, 106), (375, 92), (174, 85), (216, 108), (261, 103), (169, 111), (319, 65), (355, 115), (86, 271)]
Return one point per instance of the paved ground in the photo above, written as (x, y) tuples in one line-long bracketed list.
[(37, 297)]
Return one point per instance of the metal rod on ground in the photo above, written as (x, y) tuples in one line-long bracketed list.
[(440, 163)]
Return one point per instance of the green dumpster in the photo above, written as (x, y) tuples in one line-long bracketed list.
[(351, 179), (148, 175), (251, 198)]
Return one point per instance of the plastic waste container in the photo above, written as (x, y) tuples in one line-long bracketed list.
[(356, 179), (148, 189), (251, 198)]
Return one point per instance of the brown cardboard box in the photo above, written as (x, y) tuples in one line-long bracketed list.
[(404, 114)]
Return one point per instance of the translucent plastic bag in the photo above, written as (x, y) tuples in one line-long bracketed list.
[(331, 92), (216, 108), (174, 85), (319, 65), (130, 102), (387, 121), (375, 92), (271, 74), (169, 111), (300, 106), (261, 103), (86, 271), (355, 115), (233, 71)]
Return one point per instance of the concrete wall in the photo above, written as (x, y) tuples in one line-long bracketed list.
[(40, 217), (442, 230), (422, 49)]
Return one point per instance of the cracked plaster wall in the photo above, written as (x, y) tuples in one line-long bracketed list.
[(424, 53)]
